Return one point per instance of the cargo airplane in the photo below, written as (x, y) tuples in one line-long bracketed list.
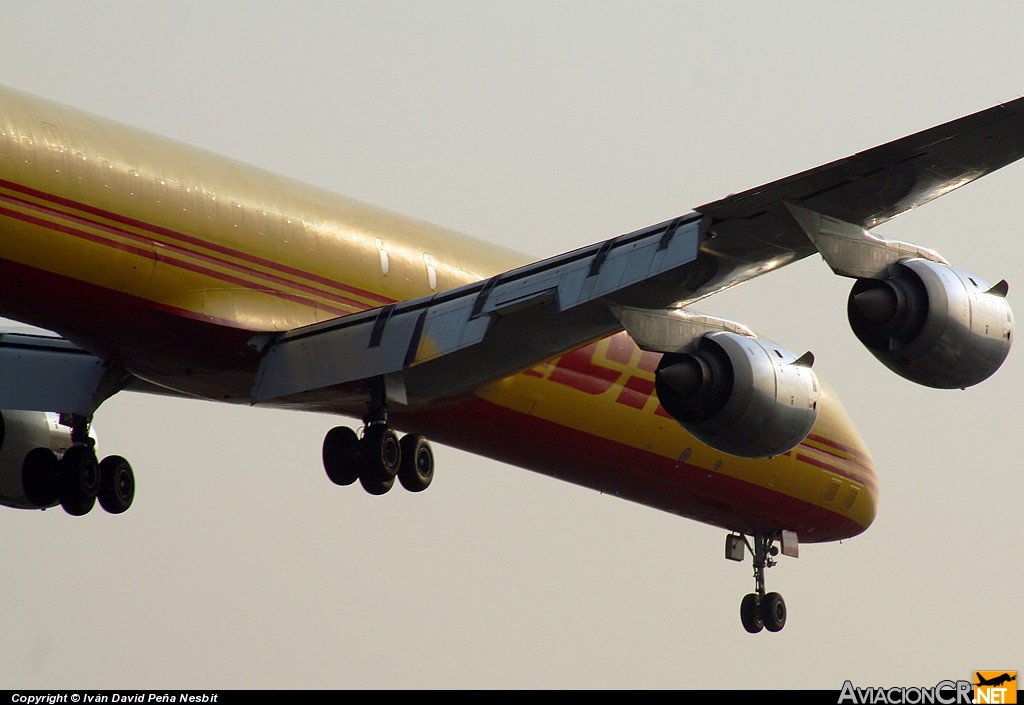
[(146, 265)]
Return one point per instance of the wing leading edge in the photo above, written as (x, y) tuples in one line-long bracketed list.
[(866, 189), (454, 342)]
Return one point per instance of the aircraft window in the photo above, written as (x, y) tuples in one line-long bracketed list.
[(428, 262), (385, 261)]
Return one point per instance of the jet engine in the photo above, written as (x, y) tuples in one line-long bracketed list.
[(27, 437), (932, 324), (739, 394)]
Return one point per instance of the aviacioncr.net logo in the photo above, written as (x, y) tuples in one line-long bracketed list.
[(943, 693)]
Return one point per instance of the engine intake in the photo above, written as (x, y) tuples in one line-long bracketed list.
[(742, 395), (932, 324)]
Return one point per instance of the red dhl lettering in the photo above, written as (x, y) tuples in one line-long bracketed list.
[(598, 367), (582, 370)]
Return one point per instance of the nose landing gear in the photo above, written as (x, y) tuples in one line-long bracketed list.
[(762, 610)]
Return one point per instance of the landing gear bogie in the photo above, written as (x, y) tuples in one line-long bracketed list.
[(378, 458), (77, 480)]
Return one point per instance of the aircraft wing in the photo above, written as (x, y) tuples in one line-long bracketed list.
[(455, 341)]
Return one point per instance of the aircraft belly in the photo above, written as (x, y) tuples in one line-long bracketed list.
[(181, 350), (590, 460)]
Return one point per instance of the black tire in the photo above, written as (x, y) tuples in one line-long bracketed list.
[(376, 486), (773, 612), (39, 477), (341, 455), (381, 453), (78, 479), (79, 507), (750, 613), (117, 484), (417, 468)]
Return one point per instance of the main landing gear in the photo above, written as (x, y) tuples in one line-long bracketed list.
[(78, 479), (378, 457), (760, 610)]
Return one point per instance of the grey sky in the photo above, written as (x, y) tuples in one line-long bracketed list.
[(541, 126)]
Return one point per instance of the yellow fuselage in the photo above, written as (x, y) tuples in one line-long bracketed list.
[(167, 259)]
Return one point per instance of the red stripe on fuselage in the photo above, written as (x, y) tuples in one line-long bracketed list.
[(865, 460), (196, 242), (172, 261), (163, 251)]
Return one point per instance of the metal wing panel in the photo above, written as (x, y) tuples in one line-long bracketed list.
[(873, 186), (48, 373)]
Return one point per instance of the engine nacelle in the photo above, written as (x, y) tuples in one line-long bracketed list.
[(20, 433), (741, 395), (932, 324)]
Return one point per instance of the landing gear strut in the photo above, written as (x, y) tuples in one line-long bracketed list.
[(379, 456), (762, 610)]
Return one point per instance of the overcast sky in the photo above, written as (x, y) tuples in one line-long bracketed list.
[(540, 126)]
